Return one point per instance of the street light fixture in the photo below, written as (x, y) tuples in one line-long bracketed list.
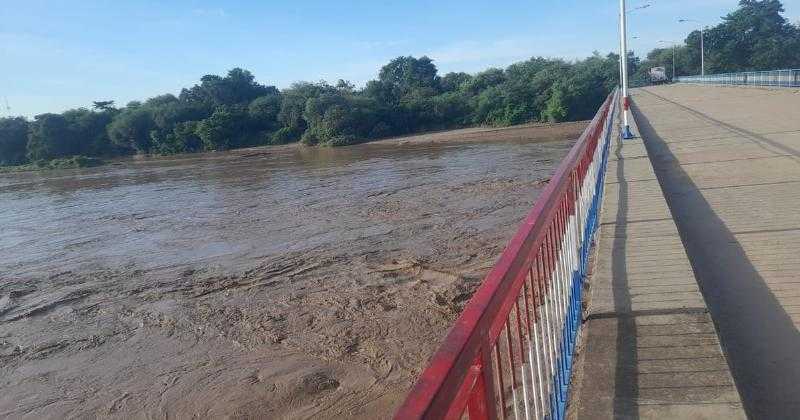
[(702, 48), (633, 47), (644, 6)]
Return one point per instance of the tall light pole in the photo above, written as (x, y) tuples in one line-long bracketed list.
[(644, 6), (702, 48), (626, 129), (673, 57)]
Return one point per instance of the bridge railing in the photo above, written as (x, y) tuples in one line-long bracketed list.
[(777, 78), (510, 352)]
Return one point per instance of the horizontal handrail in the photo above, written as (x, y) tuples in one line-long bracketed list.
[(511, 348), (775, 78)]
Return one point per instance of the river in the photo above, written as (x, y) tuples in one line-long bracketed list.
[(280, 282)]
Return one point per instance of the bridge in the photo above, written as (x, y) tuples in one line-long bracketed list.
[(700, 224), (655, 278)]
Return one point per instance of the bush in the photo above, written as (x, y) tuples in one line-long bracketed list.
[(310, 138), (284, 135), (380, 130), (130, 129), (263, 112), (225, 128), (342, 140), (83, 162), (555, 109), (69, 163)]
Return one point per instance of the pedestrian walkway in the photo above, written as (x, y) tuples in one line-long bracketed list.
[(728, 159), (650, 348)]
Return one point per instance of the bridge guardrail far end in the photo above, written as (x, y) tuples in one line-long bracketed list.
[(510, 351), (770, 78)]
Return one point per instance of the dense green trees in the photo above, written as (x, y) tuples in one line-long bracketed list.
[(263, 112), (88, 129), (409, 95), (225, 128), (130, 130), (13, 140), (237, 87), (51, 137), (555, 108), (753, 37)]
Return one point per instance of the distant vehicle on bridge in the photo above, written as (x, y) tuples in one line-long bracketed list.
[(658, 75)]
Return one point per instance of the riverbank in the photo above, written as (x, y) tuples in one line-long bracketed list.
[(73, 162), (526, 132), (281, 282)]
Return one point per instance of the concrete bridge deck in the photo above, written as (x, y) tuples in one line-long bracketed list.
[(695, 299)]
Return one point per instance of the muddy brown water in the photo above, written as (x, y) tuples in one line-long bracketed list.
[(282, 282)]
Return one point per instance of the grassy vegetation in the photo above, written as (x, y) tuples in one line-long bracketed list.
[(63, 163)]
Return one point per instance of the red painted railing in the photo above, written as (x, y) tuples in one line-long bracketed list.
[(510, 351)]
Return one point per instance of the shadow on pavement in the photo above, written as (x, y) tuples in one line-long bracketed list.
[(761, 342)]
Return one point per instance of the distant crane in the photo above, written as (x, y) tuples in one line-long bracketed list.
[(8, 108)]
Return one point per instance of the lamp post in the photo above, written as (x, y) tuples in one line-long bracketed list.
[(702, 48), (673, 57), (626, 129), (644, 6)]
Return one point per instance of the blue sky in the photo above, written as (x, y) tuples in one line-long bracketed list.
[(58, 55)]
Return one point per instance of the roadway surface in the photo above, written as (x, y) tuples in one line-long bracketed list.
[(650, 348), (729, 162), (701, 222)]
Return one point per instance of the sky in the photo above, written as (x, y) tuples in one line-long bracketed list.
[(57, 55)]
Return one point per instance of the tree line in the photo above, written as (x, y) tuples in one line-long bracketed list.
[(232, 111), (409, 96)]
